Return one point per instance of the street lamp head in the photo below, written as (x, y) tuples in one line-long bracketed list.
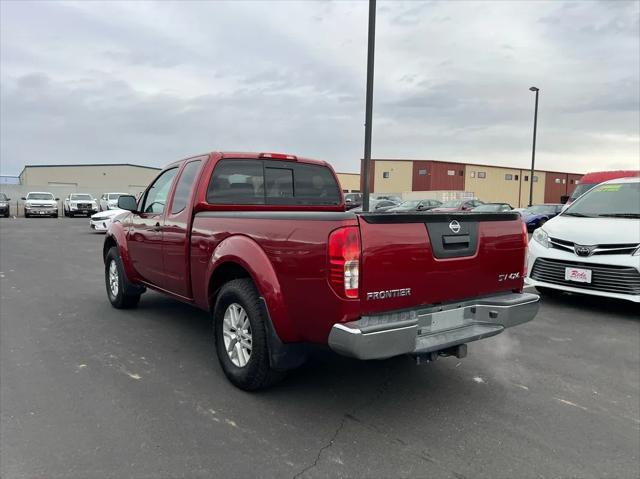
[(533, 88)]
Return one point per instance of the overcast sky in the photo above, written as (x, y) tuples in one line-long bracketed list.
[(149, 82)]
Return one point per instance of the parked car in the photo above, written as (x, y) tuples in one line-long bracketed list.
[(79, 204), (394, 198), (40, 203), (492, 208), (280, 265), (109, 201), (457, 205), (590, 180), (416, 205), (102, 220), (377, 205), (593, 247), (4, 205), (537, 215), (353, 200)]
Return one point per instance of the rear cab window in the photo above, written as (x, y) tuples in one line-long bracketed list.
[(264, 182)]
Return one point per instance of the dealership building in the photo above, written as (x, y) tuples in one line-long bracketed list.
[(421, 178), (90, 178)]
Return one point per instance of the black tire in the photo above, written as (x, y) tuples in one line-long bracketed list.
[(26, 215), (55, 215), (542, 222), (257, 373), (127, 295)]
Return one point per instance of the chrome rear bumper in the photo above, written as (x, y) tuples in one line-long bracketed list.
[(432, 329)]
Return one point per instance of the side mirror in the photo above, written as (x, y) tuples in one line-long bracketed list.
[(8, 199), (564, 199), (23, 198), (420, 207), (57, 199), (128, 202)]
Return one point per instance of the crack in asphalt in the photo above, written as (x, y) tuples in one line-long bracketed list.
[(325, 447), (380, 390), (350, 415)]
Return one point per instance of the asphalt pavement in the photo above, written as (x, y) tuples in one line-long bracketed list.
[(87, 391)]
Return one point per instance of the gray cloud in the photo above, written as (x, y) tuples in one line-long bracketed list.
[(151, 82)]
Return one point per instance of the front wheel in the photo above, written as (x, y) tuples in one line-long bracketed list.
[(118, 287), (26, 215), (241, 336)]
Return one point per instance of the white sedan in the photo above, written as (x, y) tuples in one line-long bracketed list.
[(101, 220), (109, 201), (593, 247)]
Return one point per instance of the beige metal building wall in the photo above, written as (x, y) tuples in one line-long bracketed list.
[(493, 184), (538, 188), (89, 177), (393, 176), (349, 181)]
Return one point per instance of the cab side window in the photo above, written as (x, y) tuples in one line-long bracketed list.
[(184, 186), (156, 197)]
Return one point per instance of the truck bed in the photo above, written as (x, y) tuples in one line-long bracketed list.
[(410, 252)]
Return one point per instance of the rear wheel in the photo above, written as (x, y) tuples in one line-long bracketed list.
[(241, 336), (119, 290)]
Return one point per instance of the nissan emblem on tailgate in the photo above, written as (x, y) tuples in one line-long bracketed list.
[(454, 226)]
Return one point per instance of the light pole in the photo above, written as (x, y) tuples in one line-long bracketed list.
[(369, 105), (533, 150)]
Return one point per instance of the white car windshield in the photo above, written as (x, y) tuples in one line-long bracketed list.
[(39, 196), (115, 196), (82, 197), (614, 200)]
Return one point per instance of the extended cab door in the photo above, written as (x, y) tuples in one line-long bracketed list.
[(176, 232), (145, 234)]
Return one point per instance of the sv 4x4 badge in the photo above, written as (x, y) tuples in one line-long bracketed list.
[(506, 276)]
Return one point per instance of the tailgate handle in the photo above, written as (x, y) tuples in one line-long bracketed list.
[(456, 242), (455, 239)]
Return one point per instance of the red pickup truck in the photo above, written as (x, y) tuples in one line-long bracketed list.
[(264, 243)]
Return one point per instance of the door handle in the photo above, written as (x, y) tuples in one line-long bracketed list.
[(157, 227)]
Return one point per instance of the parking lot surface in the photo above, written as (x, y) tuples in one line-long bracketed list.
[(87, 391)]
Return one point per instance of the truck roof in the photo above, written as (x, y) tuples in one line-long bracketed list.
[(243, 155), (270, 156)]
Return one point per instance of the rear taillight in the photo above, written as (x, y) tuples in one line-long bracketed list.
[(344, 261)]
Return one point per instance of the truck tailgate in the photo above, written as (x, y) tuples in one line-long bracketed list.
[(431, 258)]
